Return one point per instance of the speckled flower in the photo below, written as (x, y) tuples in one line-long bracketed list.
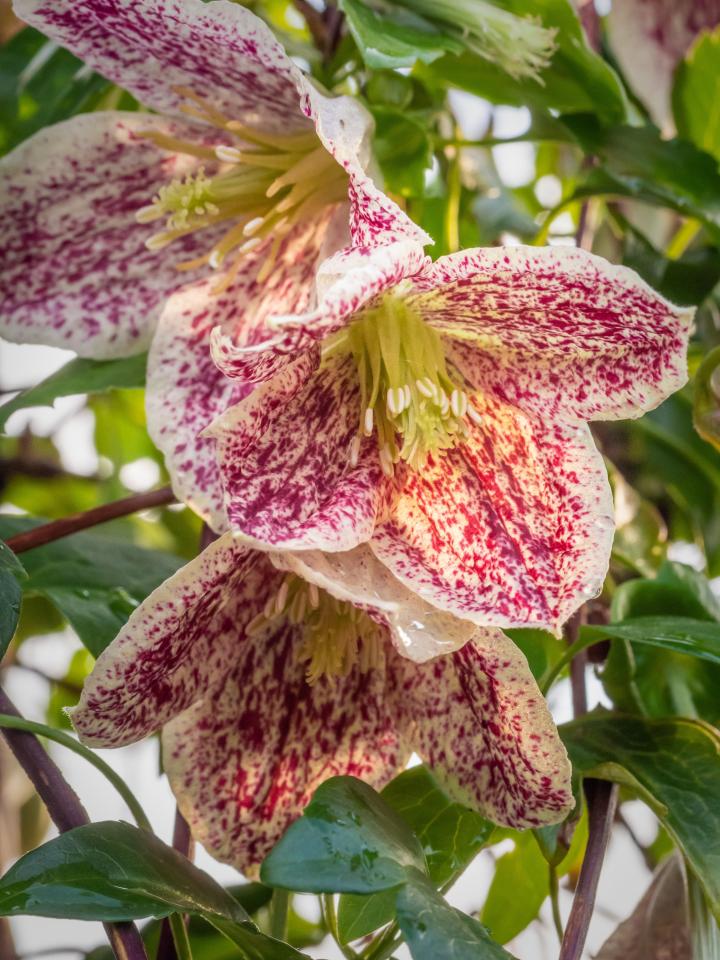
[(649, 39), (272, 672), (439, 412), (238, 187)]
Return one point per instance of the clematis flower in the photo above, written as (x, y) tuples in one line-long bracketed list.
[(271, 672), (650, 38), (441, 416), (245, 175)]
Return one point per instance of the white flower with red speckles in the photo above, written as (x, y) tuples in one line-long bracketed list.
[(245, 174), (438, 412), (272, 672)]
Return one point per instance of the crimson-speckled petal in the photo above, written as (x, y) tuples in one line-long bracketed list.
[(186, 390), (483, 727), (284, 456), (245, 761), (179, 643), (220, 50), (75, 271), (650, 37), (418, 630), (556, 330), (512, 528)]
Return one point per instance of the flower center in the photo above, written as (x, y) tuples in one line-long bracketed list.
[(267, 184), (407, 394), (336, 634)]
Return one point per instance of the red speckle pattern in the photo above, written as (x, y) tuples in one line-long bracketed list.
[(514, 527), (247, 740)]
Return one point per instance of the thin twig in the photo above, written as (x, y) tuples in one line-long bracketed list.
[(315, 22), (66, 811), (36, 467), (7, 944), (577, 665), (89, 518), (601, 802)]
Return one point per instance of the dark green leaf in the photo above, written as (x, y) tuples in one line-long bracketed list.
[(451, 835), (674, 764), (111, 871), (10, 601), (433, 929), (94, 580), (402, 147), (696, 94), (637, 162), (80, 376), (697, 638), (348, 840), (397, 38), (706, 399)]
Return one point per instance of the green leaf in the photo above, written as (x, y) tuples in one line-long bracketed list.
[(80, 376), (577, 81), (433, 929), (696, 93), (637, 162), (697, 638), (706, 399), (111, 871), (397, 38), (348, 840), (95, 581), (10, 601), (451, 835), (519, 887), (403, 150), (676, 763)]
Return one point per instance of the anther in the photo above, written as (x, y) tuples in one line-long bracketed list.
[(281, 597), (458, 403), (228, 154), (252, 226), (426, 388), (473, 415), (354, 451), (368, 422), (314, 595), (386, 462), (148, 214)]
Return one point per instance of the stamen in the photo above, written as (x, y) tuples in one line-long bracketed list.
[(408, 396)]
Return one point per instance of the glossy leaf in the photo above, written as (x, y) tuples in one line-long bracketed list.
[(433, 929), (348, 840), (697, 638), (403, 150), (80, 376), (397, 38), (674, 764), (10, 601), (696, 93), (451, 835), (111, 871), (94, 580), (706, 399)]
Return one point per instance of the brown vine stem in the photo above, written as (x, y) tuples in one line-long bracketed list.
[(66, 811), (48, 532)]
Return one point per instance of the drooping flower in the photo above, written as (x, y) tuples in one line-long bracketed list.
[(441, 416), (244, 176), (272, 672), (650, 38)]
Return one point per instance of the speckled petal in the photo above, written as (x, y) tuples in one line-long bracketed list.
[(284, 456), (481, 724), (186, 390), (245, 761), (179, 643), (556, 330), (418, 630), (76, 272), (650, 37), (219, 50), (348, 281), (513, 528)]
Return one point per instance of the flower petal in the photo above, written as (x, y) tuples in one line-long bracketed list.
[(186, 391), (245, 761), (418, 631), (76, 272), (650, 37), (483, 727), (178, 644), (556, 330), (221, 51), (512, 528), (284, 456)]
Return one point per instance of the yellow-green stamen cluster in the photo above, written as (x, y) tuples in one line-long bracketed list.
[(336, 634), (267, 184), (407, 394)]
